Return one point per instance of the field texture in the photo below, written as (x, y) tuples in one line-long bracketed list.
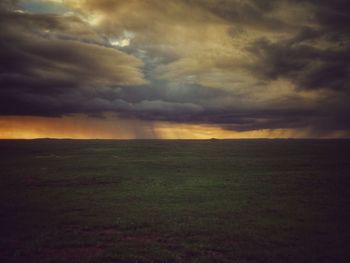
[(175, 201)]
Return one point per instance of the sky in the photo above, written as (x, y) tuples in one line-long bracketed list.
[(174, 69)]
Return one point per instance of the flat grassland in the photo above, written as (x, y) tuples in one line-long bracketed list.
[(175, 201)]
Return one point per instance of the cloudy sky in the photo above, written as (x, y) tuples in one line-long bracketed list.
[(174, 68)]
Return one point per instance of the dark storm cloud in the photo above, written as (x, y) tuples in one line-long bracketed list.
[(189, 61), (308, 67), (28, 48), (239, 120), (314, 58), (46, 60), (334, 16)]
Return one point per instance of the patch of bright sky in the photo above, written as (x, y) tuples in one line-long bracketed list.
[(124, 40), (49, 6)]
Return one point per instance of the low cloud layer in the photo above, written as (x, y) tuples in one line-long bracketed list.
[(239, 65)]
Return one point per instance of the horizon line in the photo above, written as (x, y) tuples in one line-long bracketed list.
[(160, 139)]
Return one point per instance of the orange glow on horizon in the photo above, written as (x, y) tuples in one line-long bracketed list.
[(73, 127), (83, 127)]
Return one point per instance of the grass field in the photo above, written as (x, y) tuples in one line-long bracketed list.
[(175, 201)]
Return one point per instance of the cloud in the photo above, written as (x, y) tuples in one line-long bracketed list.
[(240, 65), (46, 60), (307, 66)]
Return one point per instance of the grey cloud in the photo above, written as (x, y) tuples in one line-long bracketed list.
[(39, 72), (54, 65), (307, 66), (314, 58)]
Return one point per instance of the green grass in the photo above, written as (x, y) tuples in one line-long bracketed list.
[(175, 201)]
